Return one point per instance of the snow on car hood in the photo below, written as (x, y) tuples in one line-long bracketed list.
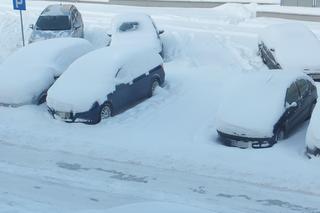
[(254, 102), (39, 35), (31, 70), (92, 77), (313, 133), (296, 47)]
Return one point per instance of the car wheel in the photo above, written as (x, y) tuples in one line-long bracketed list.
[(155, 84), (106, 111), (42, 98), (280, 135)]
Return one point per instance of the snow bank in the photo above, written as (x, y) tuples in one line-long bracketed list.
[(313, 133), (95, 75), (32, 69), (144, 32), (296, 47), (254, 102)]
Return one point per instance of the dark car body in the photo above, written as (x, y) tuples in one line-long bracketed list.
[(300, 100), (58, 20)]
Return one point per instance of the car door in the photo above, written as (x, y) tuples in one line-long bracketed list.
[(306, 97), (293, 106), (122, 97)]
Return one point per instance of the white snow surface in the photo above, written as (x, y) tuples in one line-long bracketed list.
[(145, 34), (165, 149), (296, 47), (92, 77), (254, 102), (31, 70), (156, 207)]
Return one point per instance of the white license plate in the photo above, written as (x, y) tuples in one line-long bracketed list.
[(64, 115), (240, 144)]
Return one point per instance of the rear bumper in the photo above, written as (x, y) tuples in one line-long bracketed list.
[(91, 116), (246, 142)]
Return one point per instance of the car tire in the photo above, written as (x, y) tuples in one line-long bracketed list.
[(42, 98), (280, 134), (154, 85), (106, 111)]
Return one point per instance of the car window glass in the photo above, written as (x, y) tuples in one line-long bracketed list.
[(303, 87), (53, 23), (128, 26), (292, 94)]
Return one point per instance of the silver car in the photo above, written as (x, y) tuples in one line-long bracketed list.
[(56, 21)]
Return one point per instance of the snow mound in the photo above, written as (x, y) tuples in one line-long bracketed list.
[(313, 133), (253, 102), (95, 75), (36, 67), (296, 47)]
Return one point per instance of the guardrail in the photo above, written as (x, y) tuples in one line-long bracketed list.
[(301, 3)]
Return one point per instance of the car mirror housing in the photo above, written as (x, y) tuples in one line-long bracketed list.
[(161, 32), (31, 26), (292, 105), (77, 26), (272, 50)]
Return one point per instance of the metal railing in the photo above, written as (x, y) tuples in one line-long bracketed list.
[(301, 3)]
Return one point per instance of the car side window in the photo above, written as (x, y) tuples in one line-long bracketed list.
[(292, 94), (303, 87)]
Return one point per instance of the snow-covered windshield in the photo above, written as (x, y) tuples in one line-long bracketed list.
[(128, 26), (53, 23)]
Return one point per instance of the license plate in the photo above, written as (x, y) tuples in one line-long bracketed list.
[(240, 144), (64, 115)]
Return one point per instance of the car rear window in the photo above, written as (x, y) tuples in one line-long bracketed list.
[(53, 23), (128, 26)]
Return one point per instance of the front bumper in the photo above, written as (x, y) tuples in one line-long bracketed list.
[(91, 116), (246, 142)]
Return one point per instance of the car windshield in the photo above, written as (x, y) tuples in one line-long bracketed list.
[(53, 23), (128, 26)]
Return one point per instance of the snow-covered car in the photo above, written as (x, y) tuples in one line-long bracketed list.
[(57, 21), (156, 207), (134, 30), (105, 82), (27, 74), (290, 46), (259, 109), (313, 133)]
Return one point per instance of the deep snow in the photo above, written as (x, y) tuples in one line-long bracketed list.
[(175, 131)]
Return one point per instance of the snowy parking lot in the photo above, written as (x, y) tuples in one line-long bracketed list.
[(164, 149)]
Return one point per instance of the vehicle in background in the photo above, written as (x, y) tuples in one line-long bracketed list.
[(156, 207), (259, 109), (105, 82), (57, 21), (26, 75), (313, 134), (290, 46), (134, 30)]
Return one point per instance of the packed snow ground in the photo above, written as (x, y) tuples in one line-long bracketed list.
[(164, 149)]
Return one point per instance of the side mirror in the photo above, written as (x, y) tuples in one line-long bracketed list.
[(161, 32), (31, 26), (292, 105), (272, 50)]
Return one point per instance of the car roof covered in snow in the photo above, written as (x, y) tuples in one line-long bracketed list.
[(296, 47), (136, 29), (253, 102), (36, 65), (57, 10), (96, 74)]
